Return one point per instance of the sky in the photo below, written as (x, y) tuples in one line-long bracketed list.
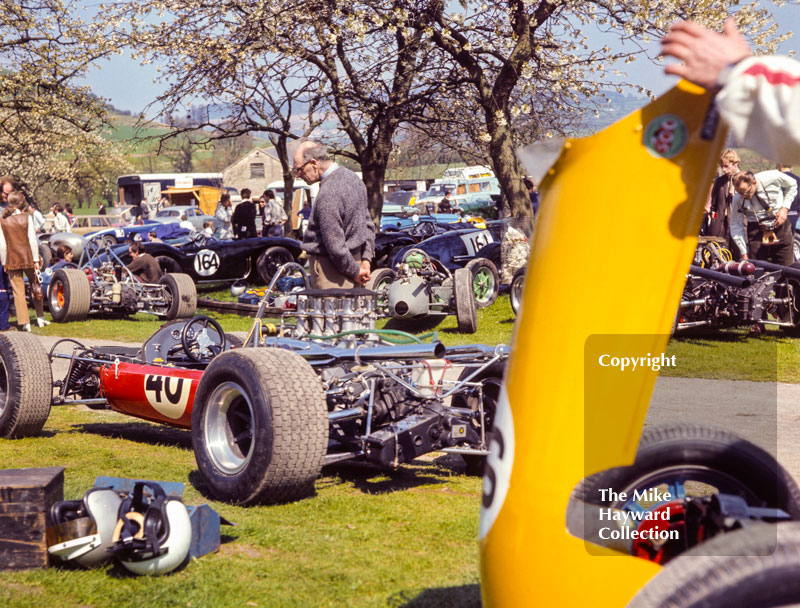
[(130, 86)]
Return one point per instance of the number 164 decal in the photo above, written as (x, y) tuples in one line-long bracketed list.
[(206, 262)]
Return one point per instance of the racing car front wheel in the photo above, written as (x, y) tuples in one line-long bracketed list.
[(259, 426), (70, 295), (181, 295), (26, 385), (466, 311), (379, 282), (270, 260), (485, 281)]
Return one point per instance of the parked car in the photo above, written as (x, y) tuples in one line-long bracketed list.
[(101, 283), (208, 260), (193, 214), (113, 236), (390, 240), (83, 224), (477, 249)]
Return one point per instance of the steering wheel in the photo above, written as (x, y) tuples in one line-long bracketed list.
[(198, 238), (199, 344)]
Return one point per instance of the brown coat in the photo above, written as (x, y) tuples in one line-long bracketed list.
[(18, 248)]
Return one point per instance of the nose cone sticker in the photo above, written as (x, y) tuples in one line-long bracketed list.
[(666, 136)]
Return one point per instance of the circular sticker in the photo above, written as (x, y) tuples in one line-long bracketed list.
[(666, 136), (206, 262)]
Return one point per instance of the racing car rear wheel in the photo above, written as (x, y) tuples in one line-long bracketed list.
[(379, 282), (491, 381), (485, 281), (466, 311), (182, 295), (45, 254), (794, 314), (70, 295), (515, 291), (259, 426), (270, 260), (26, 385)]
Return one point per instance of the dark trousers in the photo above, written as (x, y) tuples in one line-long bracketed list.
[(4, 287), (779, 253)]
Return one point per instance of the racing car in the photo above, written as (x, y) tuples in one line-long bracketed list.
[(267, 416), (102, 283), (209, 260)]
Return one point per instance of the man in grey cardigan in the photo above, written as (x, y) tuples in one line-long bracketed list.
[(340, 238)]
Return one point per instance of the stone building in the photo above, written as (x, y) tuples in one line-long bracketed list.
[(254, 170)]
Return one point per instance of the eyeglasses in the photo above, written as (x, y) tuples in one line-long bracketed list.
[(299, 170)]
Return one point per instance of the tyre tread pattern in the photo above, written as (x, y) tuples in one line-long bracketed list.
[(30, 385), (184, 296), (299, 425), (78, 295)]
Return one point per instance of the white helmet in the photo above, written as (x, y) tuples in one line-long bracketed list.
[(83, 530), (153, 533), (238, 288)]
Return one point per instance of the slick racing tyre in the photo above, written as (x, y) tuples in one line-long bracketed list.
[(491, 380), (270, 260), (688, 459), (259, 426), (466, 310), (26, 385), (70, 295), (181, 294), (757, 567), (485, 281)]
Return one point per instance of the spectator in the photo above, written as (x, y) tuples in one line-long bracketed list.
[(60, 221), (304, 214), (63, 254), (208, 229), (533, 194), (445, 205), (244, 217), (144, 266), (763, 200), (340, 238), (721, 196), (144, 211), (273, 215), (153, 237), (19, 253), (222, 219), (37, 218), (6, 188), (185, 223), (101, 208), (68, 212)]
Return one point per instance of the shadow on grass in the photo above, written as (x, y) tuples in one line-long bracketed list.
[(464, 596), (139, 432), (371, 479)]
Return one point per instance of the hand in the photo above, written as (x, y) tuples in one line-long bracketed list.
[(704, 53), (363, 273), (780, 217), (37, 265)]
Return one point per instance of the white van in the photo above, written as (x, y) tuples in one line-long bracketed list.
[(299, 184)]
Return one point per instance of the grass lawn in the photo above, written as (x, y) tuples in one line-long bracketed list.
[(368, 538)]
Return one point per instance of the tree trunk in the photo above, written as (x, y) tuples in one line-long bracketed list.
[(374, 173), (509, 174)]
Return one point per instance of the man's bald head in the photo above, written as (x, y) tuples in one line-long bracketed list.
[(310, 161)]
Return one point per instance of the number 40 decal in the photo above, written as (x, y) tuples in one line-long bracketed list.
[(167, 395), (206, 262)]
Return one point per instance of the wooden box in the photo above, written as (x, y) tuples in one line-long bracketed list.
[(25, 499)]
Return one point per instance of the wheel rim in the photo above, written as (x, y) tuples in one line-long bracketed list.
[(680, 481), (516, 294), (229, 428), (57, 297), (3, 388), (275, 261), (483, 285)]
